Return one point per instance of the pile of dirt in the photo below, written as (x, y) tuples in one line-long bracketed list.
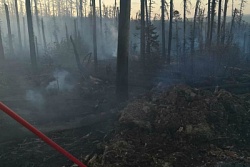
[(180, 127)]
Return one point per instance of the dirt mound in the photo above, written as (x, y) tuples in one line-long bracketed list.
[(180, 127)]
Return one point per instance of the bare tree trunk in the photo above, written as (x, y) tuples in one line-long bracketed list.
[(67, 33), (18, 26), (143, 31), (170, 31), (24, 33), (224, 22), (184, 28), (9, 30), (37, 20), (208, 20), (31, 37), (219, 22), (212, 22), (44, 37), (94, 34), (123, 50), (2, 56), (163, 28), (194, 26), (148, 25)]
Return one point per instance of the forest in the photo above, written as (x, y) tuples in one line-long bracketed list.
[(161, 83)]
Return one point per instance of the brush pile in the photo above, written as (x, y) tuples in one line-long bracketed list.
[(180, 127)]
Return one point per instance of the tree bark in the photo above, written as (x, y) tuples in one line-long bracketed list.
[(24, 33), (212, 22), (123, 50), (31, 37), (18, 26), (163, 28), (2, 56), (170, 31), (219, 22), (208, 20), (194, 26), (44, 37), (224, 22), (9, 30), (184, 28), (94, 34), (143, 32)]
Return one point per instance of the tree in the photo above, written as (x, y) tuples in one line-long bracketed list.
[(94, 34), (212, 22), (18, 25), (123, 50), (143, 31), (194, 26), (163, 28), (9, 30), (31, 37), (184, 27), (44, 37), (219, 22), (2, 56), (170, 31), (224, 22), (208, 20)]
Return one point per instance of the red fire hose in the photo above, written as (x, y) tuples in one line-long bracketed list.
[(42, 136)]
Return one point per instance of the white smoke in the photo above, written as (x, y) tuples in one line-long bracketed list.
[(60, 83), (35, 98)]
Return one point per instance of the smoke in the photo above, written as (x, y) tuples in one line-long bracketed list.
[(60, 83), (35, 98)]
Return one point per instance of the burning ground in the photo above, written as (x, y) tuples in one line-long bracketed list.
[(180, 127)]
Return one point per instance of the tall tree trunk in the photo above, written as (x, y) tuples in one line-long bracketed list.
[(224, 22), (18, 26), (219, 22), (24, 33), (212, 22), (31, 37), (143, 31), (67, 33), (2, 56), (37, 20), (163, 28), (123, 50), (170, 31), (208, 20), (44, 37), (194, 26), (184, 28), (148, 25), (9, 30), (94, 34)]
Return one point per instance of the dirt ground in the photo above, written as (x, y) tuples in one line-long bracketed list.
[(83, 117)]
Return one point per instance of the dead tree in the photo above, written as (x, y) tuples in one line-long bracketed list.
[(44, 37), (37, 19), (9, 30), (219, 22), (163, 28), (2, 56), (224, 22), (123, 50), (31, 37), (94, 34), (24, 33), (208, 20), (143, 32), (18, 26), (184, 28), (170, 31), (194, 26), (212, 22)]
